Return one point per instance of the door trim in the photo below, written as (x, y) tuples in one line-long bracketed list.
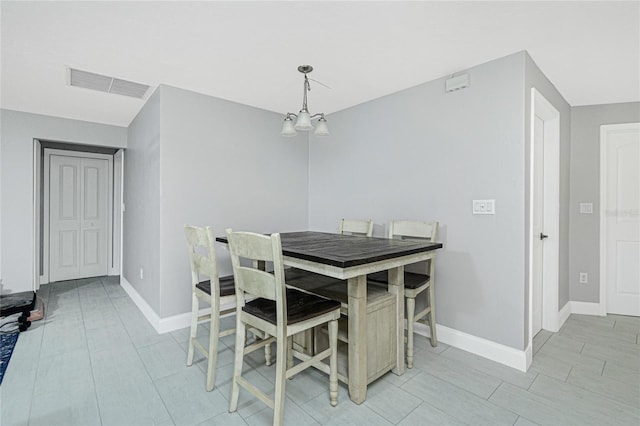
[(542, 108), (45, 217), (117, 196), (605, 129), (37, 190)]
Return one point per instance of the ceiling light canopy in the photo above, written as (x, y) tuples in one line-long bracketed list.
[(304, 117)]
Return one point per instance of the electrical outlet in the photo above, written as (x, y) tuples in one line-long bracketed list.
[(141, 274), (584, 278)]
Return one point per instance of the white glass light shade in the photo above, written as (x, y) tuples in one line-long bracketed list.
[(287, 128), (321, 128), (304, 121)]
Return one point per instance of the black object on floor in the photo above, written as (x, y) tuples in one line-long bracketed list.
[(14, 303)]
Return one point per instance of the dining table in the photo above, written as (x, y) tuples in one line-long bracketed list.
[(351, 258)]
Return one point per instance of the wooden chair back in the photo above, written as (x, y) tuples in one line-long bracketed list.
[(257, 249), (356, 227), (413, 230), (202, 256)]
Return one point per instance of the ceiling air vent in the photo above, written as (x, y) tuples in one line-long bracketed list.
[(103, 83)]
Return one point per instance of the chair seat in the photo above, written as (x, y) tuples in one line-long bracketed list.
[(412, 280), (227, 288), (300, 306)]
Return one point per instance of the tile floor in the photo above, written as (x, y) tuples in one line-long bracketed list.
[(96, 360)]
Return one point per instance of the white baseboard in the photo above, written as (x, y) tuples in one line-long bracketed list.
[(563, 315), (161, 325), (177, 322), (528, 356), (142, 304), (587, 308), (497, 352)]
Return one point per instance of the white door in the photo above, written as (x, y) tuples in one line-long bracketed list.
[(78, 217), (545, 214), (620, 145), (538, 225)]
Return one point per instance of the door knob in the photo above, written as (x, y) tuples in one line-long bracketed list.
[(542, 236)]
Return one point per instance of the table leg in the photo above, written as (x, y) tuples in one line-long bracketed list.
[(357, 288), (396, 286)]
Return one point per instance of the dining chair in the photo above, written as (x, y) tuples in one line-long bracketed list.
[(214, 290), (415, 282), (356, 227), (280, 312)]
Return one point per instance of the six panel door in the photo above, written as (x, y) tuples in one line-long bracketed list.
[(78, 217)]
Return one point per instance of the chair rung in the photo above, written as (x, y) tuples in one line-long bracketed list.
[(306, 358), (200, 347), (257, 333), (257, 345), (312, 361), (423, 321), (228, 332), (203, 318), (255, 391), (228, 311), (421, 314), (414, 292)]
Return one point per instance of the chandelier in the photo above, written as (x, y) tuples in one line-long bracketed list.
[(303, 118)]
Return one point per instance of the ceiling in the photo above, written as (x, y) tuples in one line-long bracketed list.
[(248, 52)]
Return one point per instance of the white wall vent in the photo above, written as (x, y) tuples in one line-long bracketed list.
[(103, 83)]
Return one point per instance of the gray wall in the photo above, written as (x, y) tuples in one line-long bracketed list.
[(585, 188), (534, 78), (141, 218), (424, 154), (417, 154), (17, 133), (221, 164)]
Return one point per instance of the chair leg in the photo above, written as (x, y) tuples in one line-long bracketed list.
[(281, 378), (214, 335), (237, 364), (195, 308), (432, 317), (411, 311), (333, 362), (290, 352), (267, 348), (267, 353)]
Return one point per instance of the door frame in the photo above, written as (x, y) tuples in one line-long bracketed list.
[(605, 129), (41, 182), (542, 108), (118, 197)]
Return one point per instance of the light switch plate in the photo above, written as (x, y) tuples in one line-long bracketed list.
[(484, 207), (586, 208)]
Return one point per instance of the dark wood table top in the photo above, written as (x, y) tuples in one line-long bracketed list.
[(345, 251)]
